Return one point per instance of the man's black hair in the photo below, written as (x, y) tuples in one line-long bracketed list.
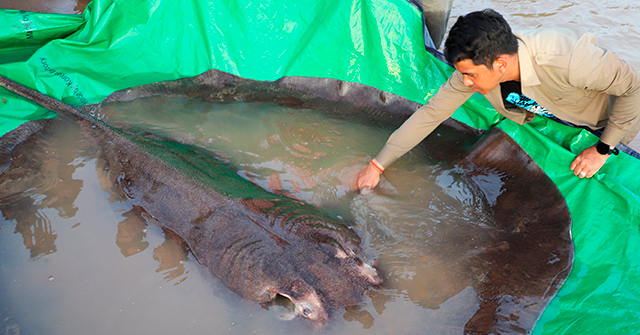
[(480, 36)]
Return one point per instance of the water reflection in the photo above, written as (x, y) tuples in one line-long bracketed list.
[(355, 313), (429, 225), (171, 256), (131, 239), (38, 236), (131, 233), (41, 178)]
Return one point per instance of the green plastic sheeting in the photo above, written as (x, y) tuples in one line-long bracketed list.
[(114, 45), (21, 35)]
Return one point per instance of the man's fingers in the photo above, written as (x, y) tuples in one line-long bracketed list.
[(574, 164), (578, 167), (579, 170), (588, 163), (368, 178)]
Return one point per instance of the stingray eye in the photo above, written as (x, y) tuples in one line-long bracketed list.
[(307, 313)]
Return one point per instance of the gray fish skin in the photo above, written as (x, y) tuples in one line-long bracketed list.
[(257, 243), (516, 274)]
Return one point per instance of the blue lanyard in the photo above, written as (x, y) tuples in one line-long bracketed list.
[(527, 103)]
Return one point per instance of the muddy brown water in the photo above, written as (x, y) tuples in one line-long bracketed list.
[(75, 258), (47, 6)]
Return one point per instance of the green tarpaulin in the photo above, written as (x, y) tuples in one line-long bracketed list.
[(113, 45)]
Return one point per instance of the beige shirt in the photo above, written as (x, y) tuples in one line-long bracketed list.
[(564, 71)]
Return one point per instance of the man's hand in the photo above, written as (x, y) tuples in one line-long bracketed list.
[(369, 177), (588, 162)]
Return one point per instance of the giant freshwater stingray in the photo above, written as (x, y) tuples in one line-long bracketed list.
[(257, 243), (260, 244)]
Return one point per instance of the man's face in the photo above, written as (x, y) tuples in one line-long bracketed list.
[(479, 77)]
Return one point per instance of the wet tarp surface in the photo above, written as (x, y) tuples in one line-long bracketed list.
[(113, 45)]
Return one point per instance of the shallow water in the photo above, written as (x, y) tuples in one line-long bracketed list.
[(74, 258), (47, 6)]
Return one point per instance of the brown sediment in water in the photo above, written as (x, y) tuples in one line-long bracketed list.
[(458, 266), (47, 6)]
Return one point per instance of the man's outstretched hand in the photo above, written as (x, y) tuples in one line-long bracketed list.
[(369, 177), (588, 162)]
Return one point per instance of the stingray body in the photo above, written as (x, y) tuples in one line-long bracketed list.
[(260, 244), (528, 256), (257, 243)]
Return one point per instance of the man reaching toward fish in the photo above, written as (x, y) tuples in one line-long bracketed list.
[(557, 73)]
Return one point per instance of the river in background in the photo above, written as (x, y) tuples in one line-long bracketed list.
[(75, 260), (616, 23), (47, 6)]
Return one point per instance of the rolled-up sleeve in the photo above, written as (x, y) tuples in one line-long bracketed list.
[(442, 105)]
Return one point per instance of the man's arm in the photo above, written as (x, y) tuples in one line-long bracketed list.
[(595, 68), (442, 105)]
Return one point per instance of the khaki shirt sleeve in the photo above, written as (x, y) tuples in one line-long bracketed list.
[(442, 105), (597, 69)]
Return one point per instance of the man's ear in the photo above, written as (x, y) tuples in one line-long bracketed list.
[(500, 64)]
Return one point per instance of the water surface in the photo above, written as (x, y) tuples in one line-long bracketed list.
[(76, 258), (47, 6)]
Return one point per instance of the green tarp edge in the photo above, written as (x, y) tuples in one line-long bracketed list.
[(114, 45)]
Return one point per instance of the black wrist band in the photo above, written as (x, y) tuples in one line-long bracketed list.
[(605, 149)]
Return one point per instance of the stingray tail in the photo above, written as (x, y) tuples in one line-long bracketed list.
[(47, 101)]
